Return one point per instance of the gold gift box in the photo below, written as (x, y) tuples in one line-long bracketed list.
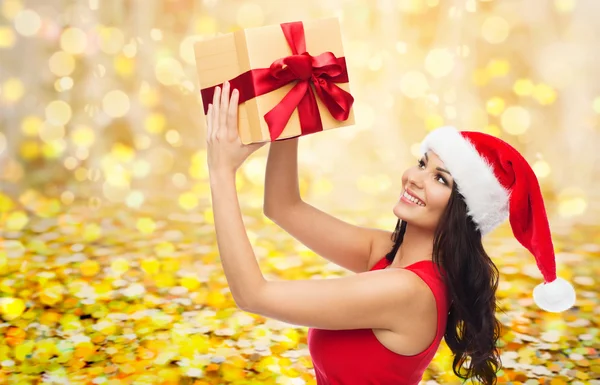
[(225, 57)]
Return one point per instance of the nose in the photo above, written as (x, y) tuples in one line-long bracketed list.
[(415, 180)]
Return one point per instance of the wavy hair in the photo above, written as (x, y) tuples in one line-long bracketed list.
[(471, 278)]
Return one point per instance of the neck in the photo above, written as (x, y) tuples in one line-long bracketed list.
[(417, 245)]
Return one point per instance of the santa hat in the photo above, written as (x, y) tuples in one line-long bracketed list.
[(498, 183)]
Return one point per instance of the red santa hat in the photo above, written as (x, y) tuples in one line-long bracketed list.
[(498, 183)]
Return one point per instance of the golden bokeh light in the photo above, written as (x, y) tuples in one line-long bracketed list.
[(73, 40), (516, 120), (168, 71), (27, 22), (414, 84), (439, 62), (111, 40), (115, 103), (61, 63), (58, 112), (7, 37), (495, 29)]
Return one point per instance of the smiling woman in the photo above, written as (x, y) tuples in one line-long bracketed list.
[(384, 324)]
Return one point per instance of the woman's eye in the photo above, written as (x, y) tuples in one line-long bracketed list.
[(421, 163)]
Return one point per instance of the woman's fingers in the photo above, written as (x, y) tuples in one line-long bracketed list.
[(232, 113), (209, 123), (224, 108), (215, 112)]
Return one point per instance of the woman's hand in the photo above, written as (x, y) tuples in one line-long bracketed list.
[(226, 152)]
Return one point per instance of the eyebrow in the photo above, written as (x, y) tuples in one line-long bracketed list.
[(438, 168)]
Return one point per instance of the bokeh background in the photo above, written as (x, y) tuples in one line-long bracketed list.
[(110, 271)]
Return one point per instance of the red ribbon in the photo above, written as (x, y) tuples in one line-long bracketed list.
[(320, 71)]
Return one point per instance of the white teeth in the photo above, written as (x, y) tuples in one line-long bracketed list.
[(412, 199)]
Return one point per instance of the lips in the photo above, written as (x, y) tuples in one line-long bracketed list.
[(415, 196)]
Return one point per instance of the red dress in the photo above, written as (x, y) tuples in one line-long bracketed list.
[(356, 357)]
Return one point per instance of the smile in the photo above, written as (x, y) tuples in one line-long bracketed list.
[(410, 199)]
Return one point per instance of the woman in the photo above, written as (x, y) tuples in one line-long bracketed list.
[(429, 278)]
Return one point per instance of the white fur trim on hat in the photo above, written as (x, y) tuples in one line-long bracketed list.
[(487, 200), (556, 296)]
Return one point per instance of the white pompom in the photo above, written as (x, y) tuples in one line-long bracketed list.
[(555, 297)]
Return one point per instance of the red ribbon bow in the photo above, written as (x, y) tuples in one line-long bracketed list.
[(321, 71)]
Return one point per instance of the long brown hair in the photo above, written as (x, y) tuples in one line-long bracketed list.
[(471, 278)]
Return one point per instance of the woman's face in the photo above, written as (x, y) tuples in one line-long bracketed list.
[(429, 184)]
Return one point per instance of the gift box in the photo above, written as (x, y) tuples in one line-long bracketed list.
[(292, 78)]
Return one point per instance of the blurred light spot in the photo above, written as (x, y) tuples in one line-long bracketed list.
[(7, 37), (492, 129), (61, 63), (94, 174), (58, 112), (80, 174), (450, 112), (477, 118), (12, 89), (142, 141), (29, 149), (71, 163), (433, 121), (401, 47), (140, 169), (67, 197), (186, 49), (596, 104), (495, 29), (2, 143), (544, 94), (179, 180), (82, 136), (161, 160), (168, 71), (523, 87), (156, 34), (115, 194), (149, 96), (188, 201), (375, 62), (54, 149), (250, 15), (124, 65), (111, 40), (471, 6), (82, 153), (65, 83), (30, 125), (495, 106), (130, 50), (450, 96), (155, 123), (564, 6), (541, 169), (498, 67), (135, 199), (572, 202), (146, 225), (414, 84), (93, 4), (480, 77), (50, 132), (205, 25), (27, 22), (115, 103), (173, 138), (99, 71), (516, 120), (10, 8), (73, 40), (439, 62)]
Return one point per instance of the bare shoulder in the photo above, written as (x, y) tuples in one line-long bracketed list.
[(382, 244)]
